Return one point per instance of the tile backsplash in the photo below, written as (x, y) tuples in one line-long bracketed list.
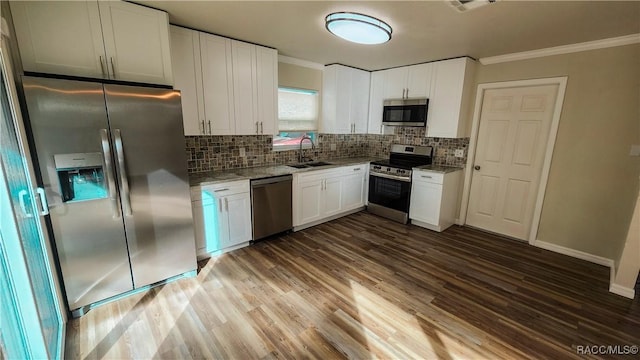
[(207, 153)]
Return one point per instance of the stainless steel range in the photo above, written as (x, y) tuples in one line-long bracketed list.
[(390, 181)]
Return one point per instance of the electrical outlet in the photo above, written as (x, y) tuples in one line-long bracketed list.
[(242, 152), (333, 147), (459, 153), (635, 150)]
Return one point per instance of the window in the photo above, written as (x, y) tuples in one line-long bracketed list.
[(297, 116)]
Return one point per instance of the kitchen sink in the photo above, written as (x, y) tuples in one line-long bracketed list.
[(311, 164), (319, 163)]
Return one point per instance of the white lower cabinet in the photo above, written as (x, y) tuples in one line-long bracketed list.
[(434, 199), (322, 195), (221, 216)]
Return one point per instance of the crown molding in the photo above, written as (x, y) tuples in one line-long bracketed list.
[(299, 62), (564, 49)]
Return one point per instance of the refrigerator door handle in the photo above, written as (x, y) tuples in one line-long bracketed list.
[(111, 181), (124, 183), (43, 201)]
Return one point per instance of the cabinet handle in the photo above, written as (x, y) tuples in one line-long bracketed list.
[(220, 203), (477, 167), (381, 129), (23, 204), (209, 127), (257, 132), (426, 177), (407, 96), (113, 67), (226, 204), (204, 131), (261, 128), (221, 190), (43, 201), (104, 72), (356, 169)]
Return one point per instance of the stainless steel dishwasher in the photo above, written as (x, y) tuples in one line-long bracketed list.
[(271, 206)]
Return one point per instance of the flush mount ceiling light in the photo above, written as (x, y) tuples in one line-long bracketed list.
[(358, 28)]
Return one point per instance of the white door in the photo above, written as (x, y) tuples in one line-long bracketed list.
[(395, 83), (353, 190), (267, 74), (238, 209), (332, 196), (185, 62), (217, 84), (425, 202), (136, 39), (309, 201), (60, 37), (512, 140), (359, 114), (245, 88), (419, 81)]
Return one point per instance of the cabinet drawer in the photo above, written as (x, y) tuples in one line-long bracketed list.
[(428, 176), (318, 174), (354, 169), (218, 190)]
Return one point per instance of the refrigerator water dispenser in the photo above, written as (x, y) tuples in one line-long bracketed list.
[(81, 176)]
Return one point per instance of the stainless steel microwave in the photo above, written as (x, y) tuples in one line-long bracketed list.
[(405, 112)]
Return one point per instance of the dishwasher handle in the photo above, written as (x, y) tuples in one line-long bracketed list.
[(271, 180)]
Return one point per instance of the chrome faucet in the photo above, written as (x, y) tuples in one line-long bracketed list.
[(313, 146)]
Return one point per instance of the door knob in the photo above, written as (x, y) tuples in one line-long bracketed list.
[(477, 167)]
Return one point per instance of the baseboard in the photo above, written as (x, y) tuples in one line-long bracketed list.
[(622, 291), (613, 287), (574, 253), (324, 220)]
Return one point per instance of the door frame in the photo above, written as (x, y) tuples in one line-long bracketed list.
[(551, 141)]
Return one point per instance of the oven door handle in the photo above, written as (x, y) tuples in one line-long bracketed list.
[(393, 177)]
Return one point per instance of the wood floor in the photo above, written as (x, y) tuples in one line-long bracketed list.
[(363, 287)]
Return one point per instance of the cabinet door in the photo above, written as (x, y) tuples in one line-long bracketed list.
[(419, 81), (332, 196), (309, 199), (395, 83), (336, 100), (353, 190), (60, 37), (238, 210), (444, 105), (185, 62), (376, 98), (217, 84), (267, 74), (244, 88), (136, 39), (425, 202), (359, 114)]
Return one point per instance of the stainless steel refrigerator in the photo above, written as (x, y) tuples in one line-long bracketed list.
[(113, 165)]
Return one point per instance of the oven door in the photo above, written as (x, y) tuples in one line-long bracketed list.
[(390, 192)]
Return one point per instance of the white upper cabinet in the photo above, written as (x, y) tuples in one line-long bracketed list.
[(244, 88), (110, 39), (187, 74), (376, 99), (345, 100), (408, 82), (228, 87), (267, 84), (60, 37), (217, 84), (136, 39), (453, 85)]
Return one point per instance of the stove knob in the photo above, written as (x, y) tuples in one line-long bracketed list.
[(388, 169), (377, 167), (399, 171)]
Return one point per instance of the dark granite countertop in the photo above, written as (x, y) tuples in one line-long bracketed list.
[(213, 177), (437, 168)]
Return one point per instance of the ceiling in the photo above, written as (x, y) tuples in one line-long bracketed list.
[(422, 30)]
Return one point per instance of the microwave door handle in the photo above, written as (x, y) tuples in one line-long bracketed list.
[(124, 183)]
